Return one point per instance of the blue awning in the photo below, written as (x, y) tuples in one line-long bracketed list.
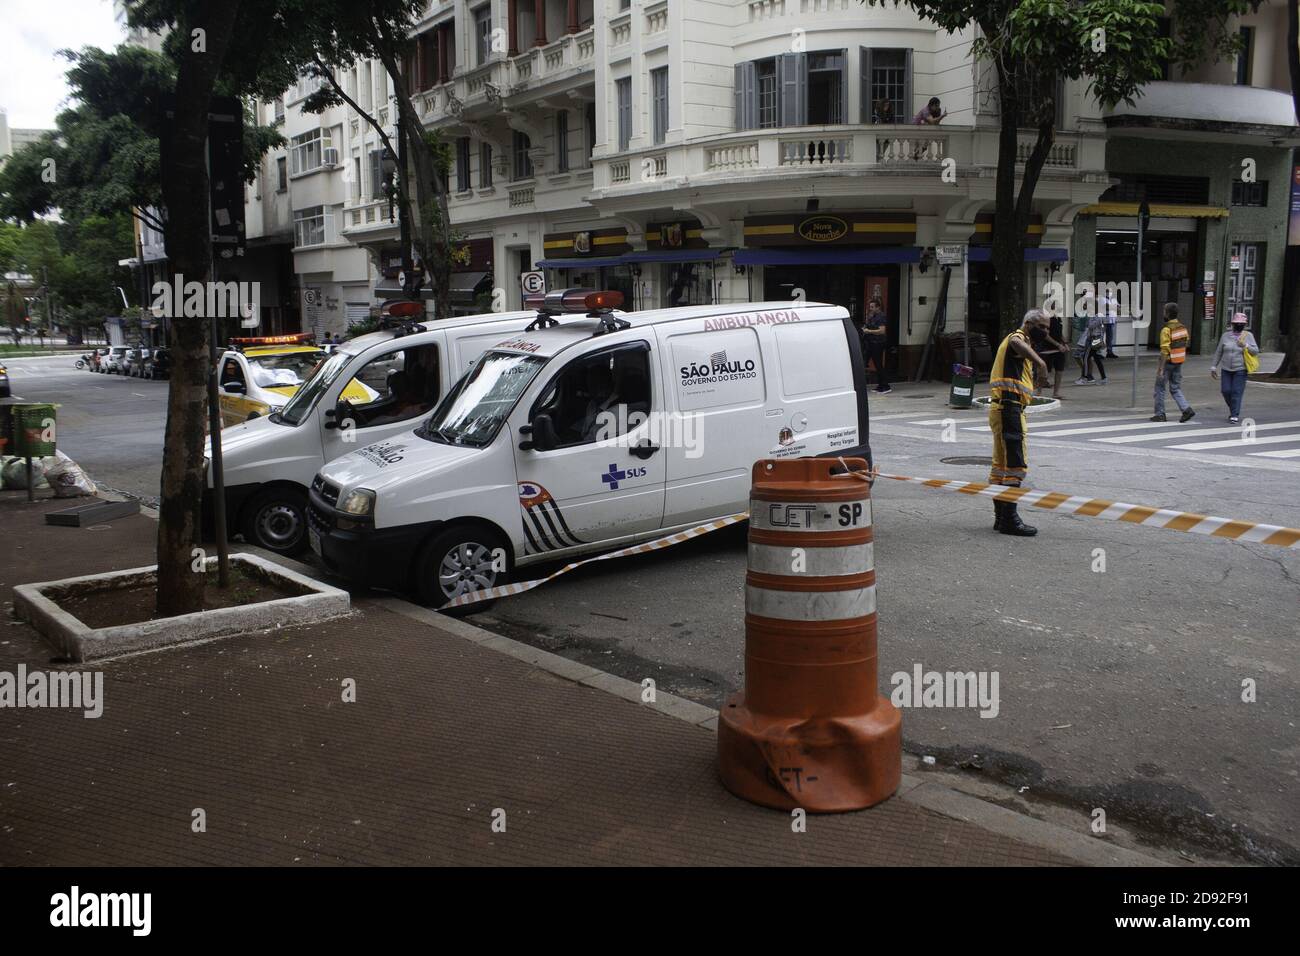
[(1043, 254), (826, 257), (576, 263), (673, 255)]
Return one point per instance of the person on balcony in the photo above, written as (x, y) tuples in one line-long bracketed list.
[(883, 111), (931, 114)]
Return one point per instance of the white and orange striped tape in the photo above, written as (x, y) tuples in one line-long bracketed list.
[(488, 594), (1119, 511)]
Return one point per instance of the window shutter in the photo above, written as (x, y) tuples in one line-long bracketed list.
[(909, 107), (843, 116), (746, 96), (792, 87), (866, 106)]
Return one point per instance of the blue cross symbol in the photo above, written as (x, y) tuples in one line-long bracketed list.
[(613, 476)]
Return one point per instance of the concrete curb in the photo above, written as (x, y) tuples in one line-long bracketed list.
[(78, 642), (929, 794)]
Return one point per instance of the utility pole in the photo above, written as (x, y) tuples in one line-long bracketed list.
[(1143, 309)]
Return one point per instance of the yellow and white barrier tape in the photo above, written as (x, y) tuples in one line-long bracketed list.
[(488, 594), (1120, 511)]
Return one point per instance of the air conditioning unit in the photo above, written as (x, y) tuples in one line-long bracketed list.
[(330, 156)]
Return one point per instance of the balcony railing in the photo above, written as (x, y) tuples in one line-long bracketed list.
[(1061, 155), (575, 51), (521, 196), (900, 150)]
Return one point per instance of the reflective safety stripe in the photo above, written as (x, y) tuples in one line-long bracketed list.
[(1178, 345), (812, 562), (810, 605), (810, 515)]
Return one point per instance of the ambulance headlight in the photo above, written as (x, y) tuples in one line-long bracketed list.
[(360, 502)]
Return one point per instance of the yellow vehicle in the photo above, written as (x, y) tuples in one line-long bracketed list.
[(258, 375)]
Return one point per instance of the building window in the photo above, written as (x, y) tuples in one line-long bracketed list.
[(767, 107), (357, 191), (886, 85), (309, 226), (793, 89), (523, 165), (1244, 57), (825, 89), (277, 105), (308, 84), (623, 96), (484, 165), (305, 152), (281, 174), (483, 32), (590, 119), (562, 141), (1249, 194), (377, 175), (462, 164), (659, 103)]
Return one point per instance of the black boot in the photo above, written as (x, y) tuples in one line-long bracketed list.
[(1011, 523), (999, 514)]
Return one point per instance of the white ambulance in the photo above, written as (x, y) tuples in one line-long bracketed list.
[(589, 435), (367, 389)]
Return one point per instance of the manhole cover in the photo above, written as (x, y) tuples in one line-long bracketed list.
[(970, 460)]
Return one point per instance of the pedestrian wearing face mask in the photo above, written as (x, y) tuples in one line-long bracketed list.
[(1237, 351)]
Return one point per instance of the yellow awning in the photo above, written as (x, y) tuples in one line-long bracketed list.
[(1164, 210)]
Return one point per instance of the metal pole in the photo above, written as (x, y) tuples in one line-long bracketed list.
[(214, 417), (965, 282), (1141, 305)]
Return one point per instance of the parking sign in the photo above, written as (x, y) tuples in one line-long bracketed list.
[(532, 282)]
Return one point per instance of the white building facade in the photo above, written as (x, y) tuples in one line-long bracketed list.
[(689, 151)]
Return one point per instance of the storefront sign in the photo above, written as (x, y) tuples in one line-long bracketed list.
[(950, 255), (595, 242), (823, 229)]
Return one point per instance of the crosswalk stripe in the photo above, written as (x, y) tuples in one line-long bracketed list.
[(1106, 428), (1236, 443), (1197, 432), (1284, 453)]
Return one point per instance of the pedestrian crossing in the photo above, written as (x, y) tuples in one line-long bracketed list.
[(1197, 435)]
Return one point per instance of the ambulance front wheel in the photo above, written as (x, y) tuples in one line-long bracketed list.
[(460, 560), (276, 519)]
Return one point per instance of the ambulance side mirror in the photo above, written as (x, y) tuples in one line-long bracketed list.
[(540, 434)]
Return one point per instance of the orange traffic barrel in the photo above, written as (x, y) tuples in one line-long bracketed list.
[(809, 729)]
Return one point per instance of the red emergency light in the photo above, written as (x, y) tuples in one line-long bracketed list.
[(401, 309), (574, 300)]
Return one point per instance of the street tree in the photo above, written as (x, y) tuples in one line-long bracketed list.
[(383, 33), (1116, 46)]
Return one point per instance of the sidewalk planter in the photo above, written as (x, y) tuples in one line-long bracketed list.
[(1035, 405), (38, 604)]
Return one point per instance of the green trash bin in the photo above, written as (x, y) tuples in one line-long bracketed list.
[(963, 387), (6, 429), (33, 430)]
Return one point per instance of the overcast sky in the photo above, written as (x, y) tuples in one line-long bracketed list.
[(32, 86)]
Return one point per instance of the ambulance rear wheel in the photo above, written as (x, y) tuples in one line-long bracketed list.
[(276, 519), (457, 561)]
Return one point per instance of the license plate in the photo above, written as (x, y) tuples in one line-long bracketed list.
[(313, 536)]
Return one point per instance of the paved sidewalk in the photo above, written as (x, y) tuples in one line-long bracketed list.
[(449, 724)]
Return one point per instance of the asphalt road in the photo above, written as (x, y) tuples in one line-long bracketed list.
[(1119, 689)]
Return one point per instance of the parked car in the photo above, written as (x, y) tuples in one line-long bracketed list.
[(134, 362), (5, 391), (115, 360), (158, 364)]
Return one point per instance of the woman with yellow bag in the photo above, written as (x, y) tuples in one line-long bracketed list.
[(1235, 358)]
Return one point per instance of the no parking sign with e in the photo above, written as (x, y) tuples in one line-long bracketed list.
[(532, 283)]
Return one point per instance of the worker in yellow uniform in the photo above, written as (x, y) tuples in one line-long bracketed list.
[(1173, 353), (1011, 385)]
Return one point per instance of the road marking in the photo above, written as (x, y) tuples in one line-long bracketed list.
[(1237, 443), (1284, 453), (1196, 432), (139, 394), (1107, 428)]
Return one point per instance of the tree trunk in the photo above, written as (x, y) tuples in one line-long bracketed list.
[(1012, 210), (189, 252), (432, 234), (1290, 367)]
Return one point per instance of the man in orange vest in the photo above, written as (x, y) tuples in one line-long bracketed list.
[(1173, 353)]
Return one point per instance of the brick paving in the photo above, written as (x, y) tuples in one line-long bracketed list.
[(254, 731)]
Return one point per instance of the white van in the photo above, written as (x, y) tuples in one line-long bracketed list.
[(590, 435), (269, 462)]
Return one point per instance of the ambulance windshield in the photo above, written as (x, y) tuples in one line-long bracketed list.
[(300, 405), (473, 411)]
